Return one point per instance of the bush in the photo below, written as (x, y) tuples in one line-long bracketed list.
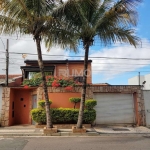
[(51, 81), (39, 115), (75, 100), (32, 82), (62, 115), (41, 103), (89, 104)]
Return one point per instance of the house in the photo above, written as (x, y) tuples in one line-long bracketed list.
[(120, 104), (22, 100), (11, 78), (144, 81), (139, 80)]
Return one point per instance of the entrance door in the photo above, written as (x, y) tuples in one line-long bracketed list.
[(21, 106), (147, 107), (34, 104)]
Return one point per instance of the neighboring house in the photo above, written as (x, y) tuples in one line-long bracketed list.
[(138, 80), (11, 78), (144, 81), (1, 89), (115, 104)]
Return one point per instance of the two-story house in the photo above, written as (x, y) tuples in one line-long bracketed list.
[(20, 100)]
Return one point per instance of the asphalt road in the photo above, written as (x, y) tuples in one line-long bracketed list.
[(76, 143)]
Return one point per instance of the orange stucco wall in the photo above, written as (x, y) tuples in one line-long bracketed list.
[(73, 70), (62, 100)]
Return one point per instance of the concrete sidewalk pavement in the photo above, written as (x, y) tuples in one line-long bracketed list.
[(121, 130), (30, 130)]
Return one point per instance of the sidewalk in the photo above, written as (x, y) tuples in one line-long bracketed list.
[(18, 131), (121, 130)]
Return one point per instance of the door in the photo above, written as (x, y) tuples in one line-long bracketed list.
[(114, 108), (21, 106), (34, 104), (147, 107)]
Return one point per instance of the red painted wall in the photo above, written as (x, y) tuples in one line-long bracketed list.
[(62, 100)]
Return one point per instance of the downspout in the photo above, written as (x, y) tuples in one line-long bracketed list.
[(67, 67), (55, 72)]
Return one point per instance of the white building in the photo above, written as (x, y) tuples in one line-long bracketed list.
[(1, 88), (135, 81)]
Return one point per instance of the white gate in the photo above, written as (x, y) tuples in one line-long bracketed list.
[(114, 108), (1, 89), (147, 106)]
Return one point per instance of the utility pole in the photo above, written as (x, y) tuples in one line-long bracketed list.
[(139, 79), (7, 62)]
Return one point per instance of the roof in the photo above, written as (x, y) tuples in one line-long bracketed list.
[(10, 78), (55, 61), (3, 76), (36, 68), (97, 84)]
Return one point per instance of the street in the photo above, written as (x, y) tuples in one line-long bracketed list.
[(119, 142)]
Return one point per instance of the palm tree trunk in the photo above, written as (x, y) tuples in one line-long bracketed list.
[(81, 111), (41, 66)]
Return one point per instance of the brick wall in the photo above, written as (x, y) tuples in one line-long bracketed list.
[(135, 90), (5, 107)]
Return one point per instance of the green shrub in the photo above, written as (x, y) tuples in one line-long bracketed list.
[(89, 104), (39, 115), (32, 82), (75, 100), (41, 103), (62, 115)]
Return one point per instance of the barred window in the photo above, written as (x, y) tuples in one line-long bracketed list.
[(78, 79)]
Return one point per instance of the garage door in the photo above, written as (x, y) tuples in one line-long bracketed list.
[(114, 108)]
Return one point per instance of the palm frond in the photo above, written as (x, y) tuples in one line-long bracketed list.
[(121, 34), (123, 12), (11, 26), (64, 38)]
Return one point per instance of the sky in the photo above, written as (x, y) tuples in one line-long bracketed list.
[(104, 70)]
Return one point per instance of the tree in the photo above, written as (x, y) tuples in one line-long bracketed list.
[(110, 21), (33, 17)]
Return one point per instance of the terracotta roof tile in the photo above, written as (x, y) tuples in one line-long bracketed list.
[(2, 76)]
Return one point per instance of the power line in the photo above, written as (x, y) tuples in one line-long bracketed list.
[(3, 43), (81, 56)]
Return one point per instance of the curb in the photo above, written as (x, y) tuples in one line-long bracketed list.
[(53, 134), (70, 134)]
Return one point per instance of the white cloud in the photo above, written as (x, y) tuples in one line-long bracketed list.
[(112, 67), (26, 46)]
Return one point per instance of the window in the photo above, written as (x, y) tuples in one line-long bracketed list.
[(38, 74), (31, 71), (78, 79)]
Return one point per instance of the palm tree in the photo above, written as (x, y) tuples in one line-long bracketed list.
[(110, 21), (34, 17)]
